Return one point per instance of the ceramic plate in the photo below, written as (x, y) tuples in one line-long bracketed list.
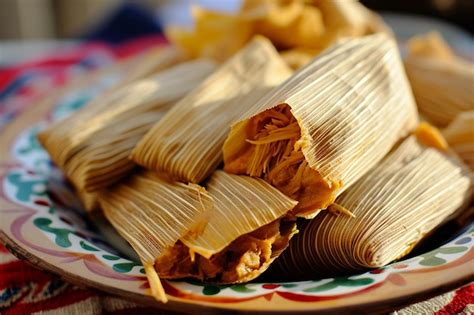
[(41, 221)]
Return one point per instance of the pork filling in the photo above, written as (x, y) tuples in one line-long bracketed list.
[(243, 260), (273, 152)]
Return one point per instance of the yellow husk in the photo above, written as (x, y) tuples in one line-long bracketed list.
[(92, 146), (187, 142), (460, 136), (152, 212), (347, 118), (442, 82), (408, 194), (241, 205)]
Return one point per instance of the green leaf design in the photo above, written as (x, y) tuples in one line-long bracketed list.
[(26, 187), (110, 257), (340, 282), (211, 290), (242, 288), (32, 142), (85, 246), (431, 259), (289, 285), (452, 250), (62, 235), (125, 267)]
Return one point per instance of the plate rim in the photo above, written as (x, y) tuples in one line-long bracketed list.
[(178, 304)]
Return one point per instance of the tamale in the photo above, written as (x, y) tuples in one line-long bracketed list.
[(442, 82), (152, 213), (227, 234), (460, 136), (413, 190), (92, 146), (325, 127), (187, 142)]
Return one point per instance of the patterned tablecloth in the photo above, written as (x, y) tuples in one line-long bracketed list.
[(26, 290)]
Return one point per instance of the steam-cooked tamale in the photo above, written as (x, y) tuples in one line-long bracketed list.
[(460, 136), (187, 142), (92, 146), (442, 82), (415, 188), (325, 127), (227, 234)]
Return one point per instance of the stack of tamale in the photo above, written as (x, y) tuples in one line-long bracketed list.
[(93, 145), (257, 219), (205, 174)]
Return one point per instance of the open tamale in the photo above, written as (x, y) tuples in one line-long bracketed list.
[(92, 146), (408, 194), (460, 136), (325, 127), (187, 142), (442, 82), (227, 234)]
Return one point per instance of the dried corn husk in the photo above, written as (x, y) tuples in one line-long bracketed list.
[(407, 195), (93, 145), (351, 104), (442, 83), (152, 214), (460, 136), (241, 204), (187, 142)]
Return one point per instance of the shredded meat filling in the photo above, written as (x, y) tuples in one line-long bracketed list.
[(244, 259), (273, 152)]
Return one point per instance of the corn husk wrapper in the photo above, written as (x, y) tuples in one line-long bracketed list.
[(460, 136), (408, 194), (288, 24), (349, 116), (241, 204), (442, 82), (187, 142), (93, 145), (153, 213)]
